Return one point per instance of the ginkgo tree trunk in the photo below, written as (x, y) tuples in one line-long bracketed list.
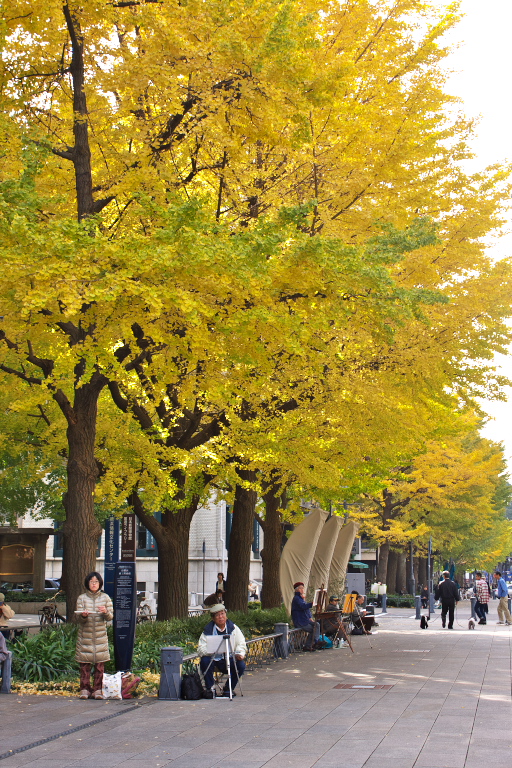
[(79, 404)]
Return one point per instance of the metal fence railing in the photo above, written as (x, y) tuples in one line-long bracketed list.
[(260, 651), (296, 640)]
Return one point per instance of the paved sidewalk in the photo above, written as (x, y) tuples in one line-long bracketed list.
[(448, 706)]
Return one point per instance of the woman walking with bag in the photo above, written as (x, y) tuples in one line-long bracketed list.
[(94, 609)]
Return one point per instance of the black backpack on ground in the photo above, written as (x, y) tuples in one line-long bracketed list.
[(191, 687)]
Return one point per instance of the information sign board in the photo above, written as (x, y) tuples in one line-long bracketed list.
[(125, 609)]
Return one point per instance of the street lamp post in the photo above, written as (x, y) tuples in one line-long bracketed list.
[(204, 563), (413, 580), (429, 576)]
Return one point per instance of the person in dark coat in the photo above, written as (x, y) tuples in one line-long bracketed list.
[(221, 583), (448, 593), (302, 618), (331, 625), (424, 597)]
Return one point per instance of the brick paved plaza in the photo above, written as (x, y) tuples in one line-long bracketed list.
[(446, 704)]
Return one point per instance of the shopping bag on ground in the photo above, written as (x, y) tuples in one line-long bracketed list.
[(112, 686)]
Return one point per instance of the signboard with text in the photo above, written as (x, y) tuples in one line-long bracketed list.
[(128, 538), (111, 554), (125, 609)]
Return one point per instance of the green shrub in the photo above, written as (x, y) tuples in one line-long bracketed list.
[(49, 655), (32, 597), (400, 601)]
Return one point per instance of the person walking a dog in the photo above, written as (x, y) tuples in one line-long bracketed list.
[(448, 592)]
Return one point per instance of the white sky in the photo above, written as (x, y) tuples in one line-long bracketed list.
[(481, 77)]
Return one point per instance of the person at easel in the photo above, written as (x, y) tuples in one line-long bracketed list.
[(332, 624), (361, 621), (302, 618)]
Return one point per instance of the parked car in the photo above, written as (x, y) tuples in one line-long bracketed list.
[(50, 585)]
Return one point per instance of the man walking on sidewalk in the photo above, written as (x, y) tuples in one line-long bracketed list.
[(503, 611), (483, 596), (448, 592)]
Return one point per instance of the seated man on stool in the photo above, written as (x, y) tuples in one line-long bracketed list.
[(302, 618), (220, 625), (332, 624), (359, 618)]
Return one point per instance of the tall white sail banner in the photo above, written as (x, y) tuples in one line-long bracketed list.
[(341, 555), (298, 553), (321, 565)]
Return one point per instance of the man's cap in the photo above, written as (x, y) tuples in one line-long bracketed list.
[(298, 584), (333, 597), (217, 608), (2, 597)]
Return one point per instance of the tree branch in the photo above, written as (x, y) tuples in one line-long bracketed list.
[(20, 375)]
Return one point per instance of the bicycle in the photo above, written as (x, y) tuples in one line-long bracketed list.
[(48, 614)]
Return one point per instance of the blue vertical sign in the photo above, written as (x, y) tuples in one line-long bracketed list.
[(111, 554), (256, 538), (125, 610)]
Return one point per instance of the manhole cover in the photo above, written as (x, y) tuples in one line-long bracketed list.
[(359, 687)]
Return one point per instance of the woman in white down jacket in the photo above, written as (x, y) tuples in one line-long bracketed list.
[(94, 609)]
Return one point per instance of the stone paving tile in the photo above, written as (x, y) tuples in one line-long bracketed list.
[(297, 761), (379, 762), (228, 763), (441, 761), (106, 760), (247, 755), (152, 762)]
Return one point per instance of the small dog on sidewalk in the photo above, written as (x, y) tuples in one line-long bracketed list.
[(471, 624)]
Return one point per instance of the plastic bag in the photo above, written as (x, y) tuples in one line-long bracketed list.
[(324, 642), (112, 686), (129, 683)]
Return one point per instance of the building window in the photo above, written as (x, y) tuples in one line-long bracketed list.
[(146, 544), (141, 586)]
